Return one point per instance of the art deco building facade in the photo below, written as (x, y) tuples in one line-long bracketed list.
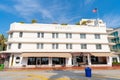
[(47, 45)]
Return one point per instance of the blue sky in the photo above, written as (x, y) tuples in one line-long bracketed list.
[(59, 11)]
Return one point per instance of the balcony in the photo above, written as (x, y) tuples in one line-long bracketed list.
[(111, 36), (111, 43)]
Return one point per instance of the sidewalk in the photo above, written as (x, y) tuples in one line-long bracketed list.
[(59, 75), (63, 68)]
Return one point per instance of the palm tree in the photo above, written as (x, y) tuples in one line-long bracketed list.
[(34, 21), (2, 42)]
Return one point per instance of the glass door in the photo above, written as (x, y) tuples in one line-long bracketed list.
[(38, 61)]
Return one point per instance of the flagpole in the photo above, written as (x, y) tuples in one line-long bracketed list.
[(98, 18), (95, 10)]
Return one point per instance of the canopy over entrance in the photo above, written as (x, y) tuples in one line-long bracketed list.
[(64, 55), (102, 54)]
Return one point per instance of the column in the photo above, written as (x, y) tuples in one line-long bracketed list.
[(89, 59), (118, 59), (74, 60), (50, 61), (10, 60), (84, 59), (69, 62), (109, 61)]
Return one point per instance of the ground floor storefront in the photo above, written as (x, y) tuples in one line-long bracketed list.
[(21, 60)]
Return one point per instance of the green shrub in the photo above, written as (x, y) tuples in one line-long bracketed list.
[(115, 63)]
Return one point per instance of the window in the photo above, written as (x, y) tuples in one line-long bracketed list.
[(58, 61), (68, 35), (31, 61), (97, 36), (21, 34), (9, 46), (55, 46), (83, 46), (40, 35), (17, 60), (19, 45), (44, 61), (83, 36), (98, 46), (68, 46), (54, 35), (17, 57), (11, 35), (40, 45)]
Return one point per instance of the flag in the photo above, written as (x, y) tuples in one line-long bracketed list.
[(94, 10)]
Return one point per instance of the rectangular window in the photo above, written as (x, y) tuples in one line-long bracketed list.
[(83, 36), (9, 46), (31, 61), (68, 46), (83, 46), (98, 46), (55, 46), (54, 35), (40, 45), (44, 61), (19, 45), (11, 35), (21, 34), (68, 35), (97, 36), (40, 35)]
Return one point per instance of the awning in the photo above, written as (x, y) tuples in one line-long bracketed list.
[(64, 55), (102, 54)]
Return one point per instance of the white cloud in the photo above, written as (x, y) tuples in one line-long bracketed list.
[(65, 19), (5, 8), (112, 20), (28, 8), (53, 11)]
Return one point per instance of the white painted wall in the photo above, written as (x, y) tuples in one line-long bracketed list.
[(62, 48), (30, 39)]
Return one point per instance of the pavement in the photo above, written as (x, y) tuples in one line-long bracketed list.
[(58, 75)]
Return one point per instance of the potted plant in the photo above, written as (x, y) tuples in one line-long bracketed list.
[(115, 64)]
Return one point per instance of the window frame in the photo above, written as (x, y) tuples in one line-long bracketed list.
[(68, 35), (40, 34), (83, 46), (97, 36), (20, 34), (69, 46), (98, 46), (9, 45), (19, 45), (11, 35), (40, 46), (55, 35), (55, 46), (82, 36)]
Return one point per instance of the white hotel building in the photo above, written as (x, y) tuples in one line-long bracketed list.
[(47, 45)]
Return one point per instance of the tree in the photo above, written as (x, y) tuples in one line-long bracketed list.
[(77, 23), (34, 21), (84, 23), (2, 42), (21, 22), (64, 24)]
